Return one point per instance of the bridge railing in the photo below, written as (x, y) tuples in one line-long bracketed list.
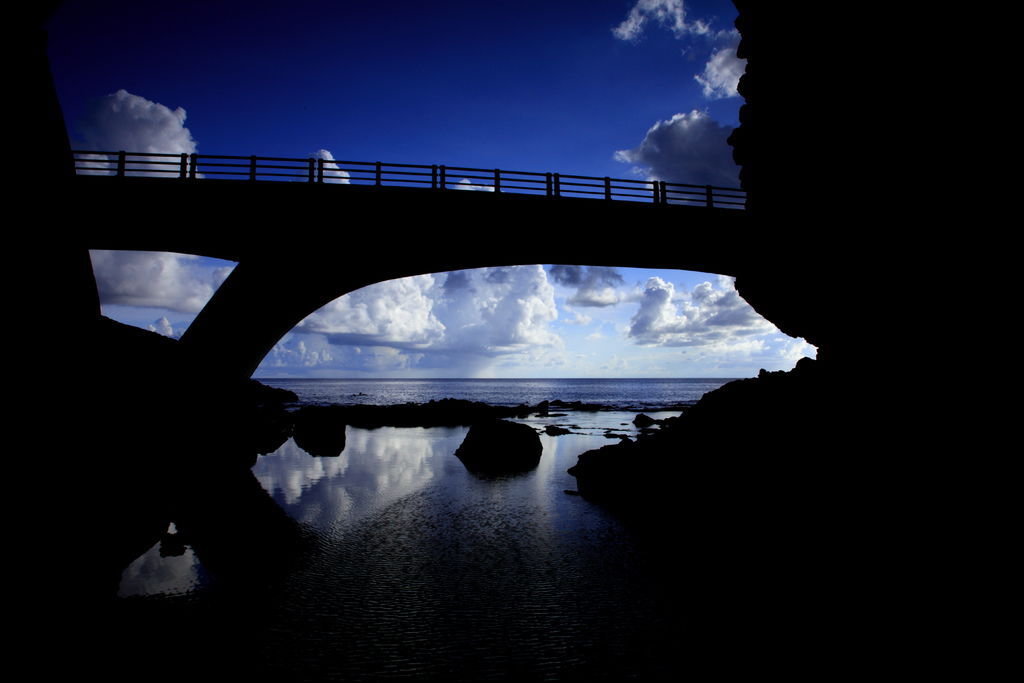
[(376, 173)]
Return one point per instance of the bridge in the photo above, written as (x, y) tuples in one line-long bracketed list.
[(437, 177), (306, 231)]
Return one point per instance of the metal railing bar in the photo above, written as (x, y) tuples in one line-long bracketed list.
[(150, 154), (215, 165), (143, 171), (304, 165), (505, 186), (572, 192), (504, 172), (182, 165), (220, 156), (415, 173)]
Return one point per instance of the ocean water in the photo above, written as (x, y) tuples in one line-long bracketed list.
[(642, 394), (421, 569)]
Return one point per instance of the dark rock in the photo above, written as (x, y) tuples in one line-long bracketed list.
[(719, 449), (320, 430), (261, 393), (500, 447), (447, 412), (644, 421), (555, 430), (270, 426), (578, 405)]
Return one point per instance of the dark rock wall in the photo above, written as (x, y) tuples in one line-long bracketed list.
[(814, 162)]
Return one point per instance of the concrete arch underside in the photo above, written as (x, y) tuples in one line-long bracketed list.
[(299, 246)]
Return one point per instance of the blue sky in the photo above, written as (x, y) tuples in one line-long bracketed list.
[(626, 88)]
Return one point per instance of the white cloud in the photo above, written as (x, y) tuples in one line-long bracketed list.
[(722, 74), (472, 185), (577, 317), (688, 148), (177, 282), (392, 313), (133, 123), (163, 326), (468, 319), (332, 172), (708, 316), (126, 122), (498, 310), (723, 68), (670, 14)]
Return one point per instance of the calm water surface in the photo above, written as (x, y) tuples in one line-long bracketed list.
[(420, 568)]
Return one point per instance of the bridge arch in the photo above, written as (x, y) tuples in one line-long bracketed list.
[(298, 248)]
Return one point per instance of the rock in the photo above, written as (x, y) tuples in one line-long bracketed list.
[(447, 412), (320, 430), (262, 393), (644, 421), (554, 430), (268, 428), (500, 447)]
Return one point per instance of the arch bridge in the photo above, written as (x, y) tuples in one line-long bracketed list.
[(306, 231)]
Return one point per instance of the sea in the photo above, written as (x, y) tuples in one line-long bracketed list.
[(421, 570)]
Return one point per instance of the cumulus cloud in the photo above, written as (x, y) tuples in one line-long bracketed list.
[(722, 74), (392, 313), (468, 318), (163, 326), (133, 123), (707, 316), (472, 185), (669, 14), (596, 286), (123, 121), (332, 172), (177, 282), (687, 148), (499, 310)]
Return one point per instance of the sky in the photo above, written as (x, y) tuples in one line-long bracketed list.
[(640, 89)]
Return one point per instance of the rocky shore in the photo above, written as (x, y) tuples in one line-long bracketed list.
[(753, 443)]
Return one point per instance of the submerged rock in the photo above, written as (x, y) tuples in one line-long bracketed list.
[(500, 447)]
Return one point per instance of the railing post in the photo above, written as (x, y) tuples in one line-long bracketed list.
[(709, 197), (121, 160), (377, 179), (312, 167), (547, 184), (497, 181), (444, 177), (433, 177), (607, 187), (252, 168), (654, 188), (664, 192), (319, 170), (183, 169), (558, 185), (193, 162)]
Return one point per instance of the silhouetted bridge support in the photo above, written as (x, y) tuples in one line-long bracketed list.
[(300, 246)]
